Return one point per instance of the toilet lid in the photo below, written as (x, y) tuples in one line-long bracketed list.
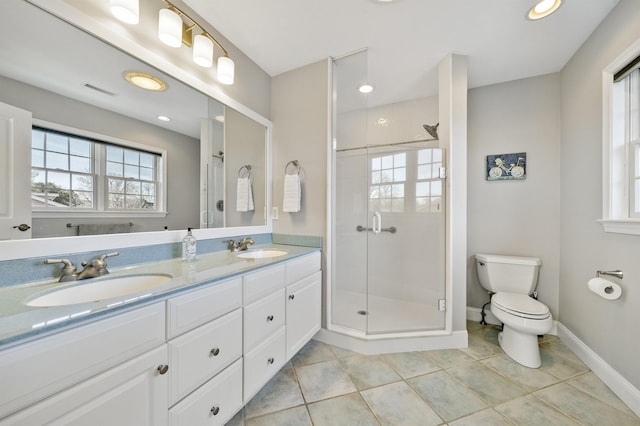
[(520, 305)]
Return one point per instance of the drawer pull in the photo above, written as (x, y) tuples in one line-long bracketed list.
[(163, 368), (292, 296), (215, 410), (214, 352), (270, 318), (271, 361)]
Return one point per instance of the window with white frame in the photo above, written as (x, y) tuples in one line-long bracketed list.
[(428, 183), (73, 173), (388, 177)]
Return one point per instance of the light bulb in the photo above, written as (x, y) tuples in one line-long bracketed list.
[(170, 28), (225, 70), (203, 51), (127, 11)]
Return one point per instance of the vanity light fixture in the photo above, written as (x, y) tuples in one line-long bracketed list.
[(543, 9), (365, 88), (173, 31), (145, 81), (127, 11)]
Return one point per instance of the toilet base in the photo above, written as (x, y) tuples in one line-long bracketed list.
[(522, 348)]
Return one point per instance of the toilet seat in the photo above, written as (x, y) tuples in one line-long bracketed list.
[(520, 305)]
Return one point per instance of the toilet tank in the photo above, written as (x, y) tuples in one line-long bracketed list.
[(514, 274)]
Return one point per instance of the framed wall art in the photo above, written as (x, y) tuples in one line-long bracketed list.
[(507, 166)]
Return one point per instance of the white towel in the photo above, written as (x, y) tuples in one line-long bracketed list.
[(244, 195), (292, 193)]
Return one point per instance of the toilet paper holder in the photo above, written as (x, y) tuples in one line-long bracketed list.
[(617, 273)]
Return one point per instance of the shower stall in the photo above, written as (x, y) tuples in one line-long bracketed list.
[(387, 217)]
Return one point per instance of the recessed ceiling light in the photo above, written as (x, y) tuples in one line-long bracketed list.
[(543, 8), (163, 118), (145, 81), (365, 88)]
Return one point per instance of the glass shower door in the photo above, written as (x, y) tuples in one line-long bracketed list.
[(405, 238)]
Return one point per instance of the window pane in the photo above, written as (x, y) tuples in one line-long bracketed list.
[(131, 171), (422, 204), (60, 180), (132, 187), (57, 143), (387, 162), (397, 191), (374, 191), (424, 171), (116, 201), (147, 160), (37, 158), (131, 157), (147, 202), (84, 199), (376, 164), (422, 189), (116, 186), (115, 154), (146, 174), (400, 175), (424, 156), (387, 175), (376, 177), (57, 161), (385, 205), (132, 202), (400, 160), (80, 147), (436, 188), (148, 189), (114, 169), (435, 170), (385, 191), (80, 164), (437, 156), (81, 182), (37, 139)]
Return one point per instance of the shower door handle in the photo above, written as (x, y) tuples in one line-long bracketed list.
[(377, 223)]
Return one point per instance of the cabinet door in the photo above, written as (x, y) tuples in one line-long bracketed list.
[(304, 304), (134, 393)]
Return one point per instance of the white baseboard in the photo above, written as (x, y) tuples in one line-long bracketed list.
[(474, 314), (628, 393)]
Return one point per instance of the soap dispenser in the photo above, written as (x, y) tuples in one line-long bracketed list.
[(189, 247)]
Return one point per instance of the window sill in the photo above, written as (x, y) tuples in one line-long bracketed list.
[(621, 226)]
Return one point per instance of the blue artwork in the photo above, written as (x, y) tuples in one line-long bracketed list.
[(507, 166)]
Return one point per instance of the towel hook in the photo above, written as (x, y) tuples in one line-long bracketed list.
[(293, 163), (244, 171)]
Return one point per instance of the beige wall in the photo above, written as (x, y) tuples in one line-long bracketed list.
[(516, 217), (608, 328), (299, 106)]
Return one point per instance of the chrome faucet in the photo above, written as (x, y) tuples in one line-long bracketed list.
[(239, 245), (94, 268)]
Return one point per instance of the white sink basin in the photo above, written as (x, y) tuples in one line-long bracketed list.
[(102, 289), (261, 254)]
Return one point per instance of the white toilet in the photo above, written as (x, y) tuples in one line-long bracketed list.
[(511, 279)]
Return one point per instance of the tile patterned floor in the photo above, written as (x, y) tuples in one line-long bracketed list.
[(478, 385)]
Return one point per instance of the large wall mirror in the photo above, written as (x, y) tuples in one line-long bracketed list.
[(206, 148)]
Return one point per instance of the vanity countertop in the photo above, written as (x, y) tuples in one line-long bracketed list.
[(20, 323)]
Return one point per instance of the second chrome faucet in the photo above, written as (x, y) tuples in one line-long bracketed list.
[(94, 268), (239, 245)]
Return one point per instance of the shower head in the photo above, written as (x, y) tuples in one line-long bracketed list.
[(432, 130)]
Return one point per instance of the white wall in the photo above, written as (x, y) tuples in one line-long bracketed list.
[(518, 217), (608, 328)]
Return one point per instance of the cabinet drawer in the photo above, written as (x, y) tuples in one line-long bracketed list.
[(190, 310), (33, 371), (197, 356), (214, 403), (262, 283), (262, 363), (263, 318), (302, 267)]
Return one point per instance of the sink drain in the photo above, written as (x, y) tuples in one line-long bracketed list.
[(362, 312)]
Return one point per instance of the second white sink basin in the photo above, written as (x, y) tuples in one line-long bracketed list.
[(102, 289), (261, 254)]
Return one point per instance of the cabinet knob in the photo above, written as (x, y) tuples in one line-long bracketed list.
[(292, 296), (270, 318), (214, 352), (163, 368), (271, 361), (215, 410)]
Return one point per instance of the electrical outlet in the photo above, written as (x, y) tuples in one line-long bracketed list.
[(274, 213)]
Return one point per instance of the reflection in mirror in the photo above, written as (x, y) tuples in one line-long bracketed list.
[(74, 83)]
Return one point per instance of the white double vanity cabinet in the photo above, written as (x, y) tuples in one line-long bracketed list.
[(194, 358)]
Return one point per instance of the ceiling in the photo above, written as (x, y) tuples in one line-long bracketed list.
[(407, 39)]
